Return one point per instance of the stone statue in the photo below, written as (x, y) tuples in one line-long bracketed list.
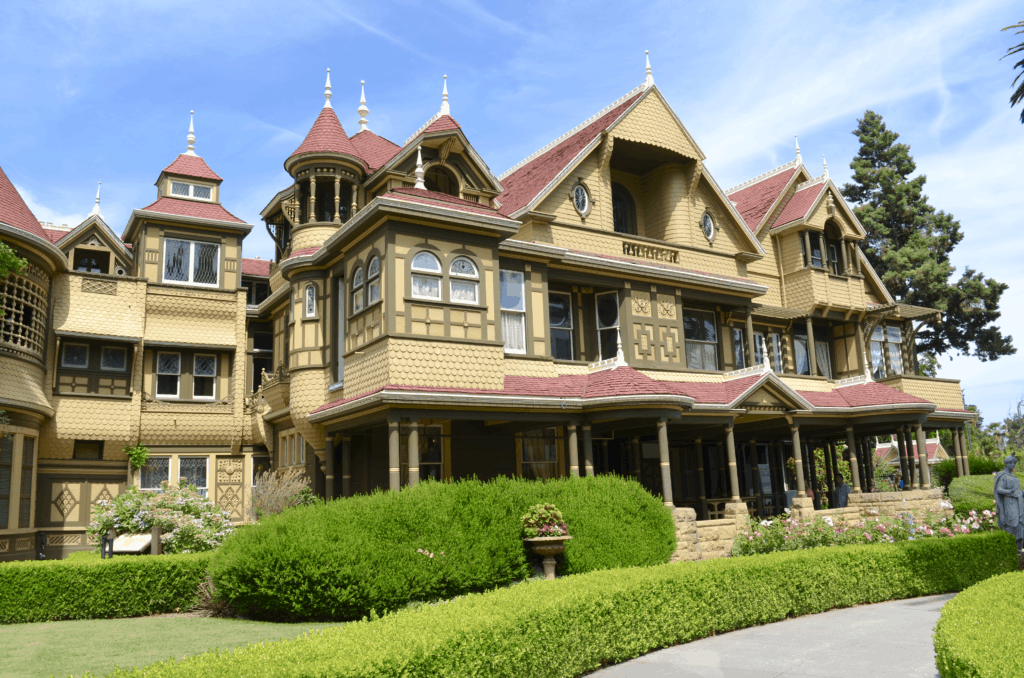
[(1010, 501)]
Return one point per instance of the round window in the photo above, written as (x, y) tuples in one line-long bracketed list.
[(707, 224), (581, 199)]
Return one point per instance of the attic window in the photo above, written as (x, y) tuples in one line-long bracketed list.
[(186, 190), (91, 261), (440, 179)]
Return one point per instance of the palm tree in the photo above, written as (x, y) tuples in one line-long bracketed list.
[(1018, 94)]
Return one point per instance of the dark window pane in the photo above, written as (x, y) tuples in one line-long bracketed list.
[(203, 387), (691, 327), (710, 329), (561, 344), (88, 449), (560, 310), (623, 210), (609, 343), (737, 349), (167, 384), (607, 311), (816, 249)]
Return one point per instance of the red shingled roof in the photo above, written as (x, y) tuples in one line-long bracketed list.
[(192, 208), (798, 204), (303, 252), (523, 185), (375, 150), (327, 136), (754, 201), (442, 124), (425, 197), (14, 211), (54, 234), (861, 395), (191, 166), (260, 267)]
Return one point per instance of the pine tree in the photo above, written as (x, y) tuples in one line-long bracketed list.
[(909, 243)]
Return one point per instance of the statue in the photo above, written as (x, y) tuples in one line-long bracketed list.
[(1010, 501)]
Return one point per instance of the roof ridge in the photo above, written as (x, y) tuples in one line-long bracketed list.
[(574, 130), (810, 182), (761, 177), (434, 118)]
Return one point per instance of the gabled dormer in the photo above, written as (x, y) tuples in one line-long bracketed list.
[(92, 247)]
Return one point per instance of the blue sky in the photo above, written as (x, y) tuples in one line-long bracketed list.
[(101, 92)]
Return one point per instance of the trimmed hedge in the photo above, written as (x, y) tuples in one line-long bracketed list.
[(577, 624), (90, 588), (974, 493), (979, 631), (436, 540), (945, 470)]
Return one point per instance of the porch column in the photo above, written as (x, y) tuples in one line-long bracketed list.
[(830, 472), (856, 258), (666, 465), (851, 447), (574, 454), (337, 200), (588, 450), (956, 453), (798, 461), (811, 357), (636, 457), (846, 261), (911, 462), (965, 452), (812, 473), (329, 470), (922, 454), (751, 345), (312, 199), (394, 465), (904, 468), (346, 466), (701, 490), (867, 455), (730, 449), (414, 451), (807, 248)]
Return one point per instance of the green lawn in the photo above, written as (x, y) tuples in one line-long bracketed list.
[(73, 647)]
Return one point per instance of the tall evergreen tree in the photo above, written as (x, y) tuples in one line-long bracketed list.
[(909, 243)]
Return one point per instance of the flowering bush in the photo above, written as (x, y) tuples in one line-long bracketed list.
[(544, 520), (190, 521), (787, 533)]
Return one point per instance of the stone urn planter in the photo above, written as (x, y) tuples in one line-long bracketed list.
[(548, 548)]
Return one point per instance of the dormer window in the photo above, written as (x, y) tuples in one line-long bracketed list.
[(188, 190), (191, 263)]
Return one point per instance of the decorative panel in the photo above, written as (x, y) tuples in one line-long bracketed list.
[(230, 485), (99, 286), (64, 502)]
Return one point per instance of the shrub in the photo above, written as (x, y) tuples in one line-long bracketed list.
[(978, 633), (90, 588), (373, 552), (190, 521), (274, 491), (577, 624), (974, 493), (944, 472)]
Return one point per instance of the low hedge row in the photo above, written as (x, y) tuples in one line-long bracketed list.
[(945, 471), (979, 631), (90, 588), (974, 493), (346, 558), (577, 624)]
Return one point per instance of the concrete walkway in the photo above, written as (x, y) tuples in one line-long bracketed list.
[(888, 639)]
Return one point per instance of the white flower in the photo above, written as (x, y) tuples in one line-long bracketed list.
[(829, 521), (766, 523), (945, 504), (787, 511)]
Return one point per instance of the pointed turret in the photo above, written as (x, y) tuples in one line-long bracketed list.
[(326, 136)]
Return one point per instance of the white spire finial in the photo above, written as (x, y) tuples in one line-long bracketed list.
[(824, 164), (620, 357), (649, 80), (362, 110), (765, 363), (798, 158), (327, 91), (191, 138), (444, 98), (419, 169), (96, 207)]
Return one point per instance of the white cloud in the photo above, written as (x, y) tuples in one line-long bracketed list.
[(44, 213)]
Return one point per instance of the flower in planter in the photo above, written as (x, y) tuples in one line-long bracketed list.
[(544, 520)]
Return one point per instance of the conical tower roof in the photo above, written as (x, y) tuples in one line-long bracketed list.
[(13, 210), (327, 136)]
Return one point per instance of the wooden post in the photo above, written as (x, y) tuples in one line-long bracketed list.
[(666, 465), (809, 261), (156, 546), (956, 453), (965, 452), (911, 462), (734, 479), (922, 455), (588, 450), (329, 471), (812, 473), (904, 468), (414, 451), (394, 464), (861, 356), (337, 200), (851, 447), (830, 473), (798, 461), (846, 262), (701, 489), (346, 466), (812, 359)]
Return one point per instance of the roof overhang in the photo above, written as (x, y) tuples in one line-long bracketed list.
[(57, 257), (105, 230), (138, 216)]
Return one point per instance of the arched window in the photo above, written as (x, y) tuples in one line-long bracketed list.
[(310, 301), (373, 281), (357, 291), (442, 180), (623, 210), (426, 277), (833, 243), (464, 280)]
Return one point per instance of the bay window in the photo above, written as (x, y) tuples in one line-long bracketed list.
[(191, 263)]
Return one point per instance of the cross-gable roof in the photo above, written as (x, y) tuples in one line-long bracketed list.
[(94, 222), (755, 199), (375, 150)]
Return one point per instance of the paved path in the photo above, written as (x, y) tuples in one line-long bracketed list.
[(887, 639)]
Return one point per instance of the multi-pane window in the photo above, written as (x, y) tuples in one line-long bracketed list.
[(373, 281), (426, 276), (340, 374), (75, 356), (513, 310), (204, 375), (815, 240), (833, 258), (822, 351), (114, 359), (560, 317), (608, 323), (28, 454), (6, 465), (886, 341), (191, 263), (192, 471), (187, 190), (701, 334), (310, 301), (539, 454), (894, 337), (777, 352), (464, 281), (156, 471), (88, 449), (759, 347), (357, 290), (737, 349), (168, 374), (91, 261), (23, 325)]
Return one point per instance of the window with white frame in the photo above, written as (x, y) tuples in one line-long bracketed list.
[(204, 375), (168, 374), (560, 317), (114, 359), (75, 356), (357, 291), (156, 471), (426, 276), (373, 281), (192, 471), (608, 324), (310, 301), (188, 190), (886, 341), (513, 310), (191, 263), (463, 279), (894, 337), (776, 352)]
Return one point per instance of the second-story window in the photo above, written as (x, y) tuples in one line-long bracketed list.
[(187, 190), (777, 352), (608, 323), (310, 301), (623, 210), (464, 281), (513, 311), (426, 276), (168, 373), (373, 281), (886, 341), (204, 374), (75, 356), (357, 291), (191, 263), (701, 332), (560, 314), (114, 359), (737, 349)]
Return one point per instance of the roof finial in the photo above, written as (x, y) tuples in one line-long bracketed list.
[(191, 138), (444, 98), (824, 164), (620, 357), (327, 91), (419, 169), (649, 80), (799, 159), (96, 207), (362, 110)]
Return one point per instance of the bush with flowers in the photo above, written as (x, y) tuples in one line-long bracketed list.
[(544, 520), (191, 522), (788, 533)]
